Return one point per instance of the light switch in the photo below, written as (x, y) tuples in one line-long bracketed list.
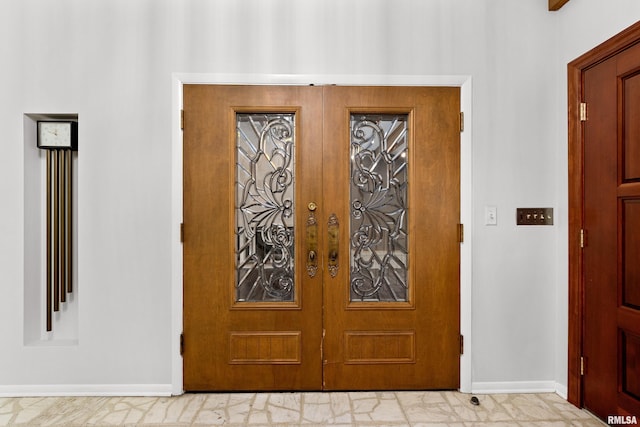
[(490, 215), (534, 216)]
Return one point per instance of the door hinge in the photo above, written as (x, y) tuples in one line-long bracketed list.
[(583, 238), (461, 345), (582, 365), (461, 233), (182, 232), (583, 111), (461, 121), (181, 344), (182, 119)]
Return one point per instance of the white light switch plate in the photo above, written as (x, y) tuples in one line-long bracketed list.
[(490, 215)]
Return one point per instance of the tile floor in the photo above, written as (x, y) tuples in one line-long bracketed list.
[(289, 409)]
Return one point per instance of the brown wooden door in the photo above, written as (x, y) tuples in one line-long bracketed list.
[(611, 340), (269, 341), (361, 183), (397, 341)]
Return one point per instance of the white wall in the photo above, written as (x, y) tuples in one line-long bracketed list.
[(111, 62)]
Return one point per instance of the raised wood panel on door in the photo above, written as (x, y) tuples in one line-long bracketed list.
[(411, 345), (245, 346), (612, 223)]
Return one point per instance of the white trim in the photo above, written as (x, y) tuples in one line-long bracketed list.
[(466, 200), (176, 244), (514, 387), (466, 218), (86, 390), (309, 79)]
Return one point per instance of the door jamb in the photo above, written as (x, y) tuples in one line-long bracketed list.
[(180, 79), (575, 71)]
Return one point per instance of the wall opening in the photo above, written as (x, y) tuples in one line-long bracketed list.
[(64, 329)]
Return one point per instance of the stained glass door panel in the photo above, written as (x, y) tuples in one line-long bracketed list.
[(378, 197), (265, 207)]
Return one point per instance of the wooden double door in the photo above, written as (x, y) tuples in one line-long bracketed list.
[(321, 237)]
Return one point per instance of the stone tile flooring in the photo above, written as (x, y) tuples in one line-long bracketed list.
[(288, 409)]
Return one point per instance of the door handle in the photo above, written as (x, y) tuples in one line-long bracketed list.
[(312, 241), (333, 231)]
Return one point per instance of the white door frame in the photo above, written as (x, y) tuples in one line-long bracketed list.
[(180, 79)]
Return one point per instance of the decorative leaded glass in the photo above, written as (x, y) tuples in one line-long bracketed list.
[(265, 207), (378, 225)]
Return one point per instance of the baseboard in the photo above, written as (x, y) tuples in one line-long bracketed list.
[(561, 390), (86, 390), (515, 387), (167, 389)]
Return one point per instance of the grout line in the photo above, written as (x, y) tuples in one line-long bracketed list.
[(56, 411)]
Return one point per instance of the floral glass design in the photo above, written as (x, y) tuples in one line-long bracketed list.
[(378, 197), (265, 207)]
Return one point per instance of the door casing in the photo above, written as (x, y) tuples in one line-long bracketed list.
[(575, 70), (180, 79)]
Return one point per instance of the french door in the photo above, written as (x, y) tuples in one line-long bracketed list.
[(321, 238)]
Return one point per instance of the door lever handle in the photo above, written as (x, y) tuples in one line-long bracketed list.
[(333, 231), (312, 241)]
